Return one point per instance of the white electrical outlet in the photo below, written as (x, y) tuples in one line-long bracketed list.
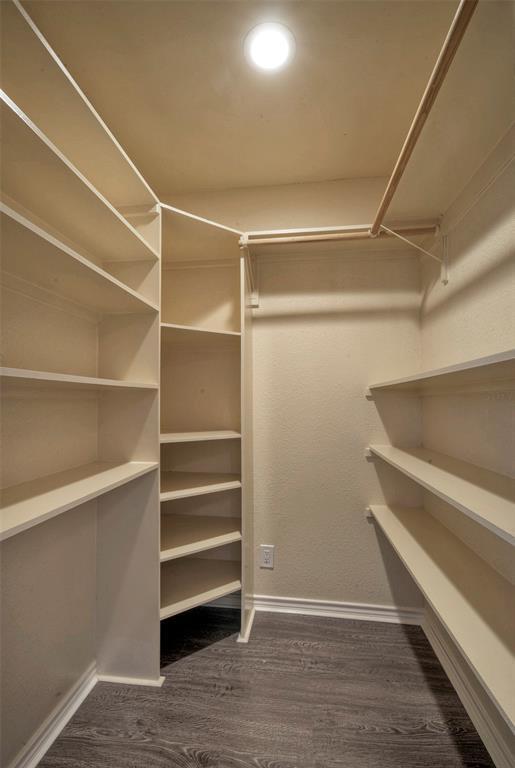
[(266, 559)]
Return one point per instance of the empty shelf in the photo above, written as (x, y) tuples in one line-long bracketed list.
[(185, 335), (485, 373), (179, 485), (473, 602), (185, 535), (32, 165), (31, 254), (485, 496), (33, 502), (193, 581), (27, 378), (199, 437)]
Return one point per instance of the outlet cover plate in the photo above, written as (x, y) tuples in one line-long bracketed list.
[(266, 555)]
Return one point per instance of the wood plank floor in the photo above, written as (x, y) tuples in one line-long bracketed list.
[(305, 692)]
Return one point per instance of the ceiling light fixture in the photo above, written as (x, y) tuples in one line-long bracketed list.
[(269, 46)]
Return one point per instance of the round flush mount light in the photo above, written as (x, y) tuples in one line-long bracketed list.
[(269, 46)]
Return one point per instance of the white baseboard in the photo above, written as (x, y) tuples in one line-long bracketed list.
[(131, 680), (30, 755), (339, 610), (490, 725)]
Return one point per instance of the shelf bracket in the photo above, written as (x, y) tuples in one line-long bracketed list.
[(250, 271), (444, 275)]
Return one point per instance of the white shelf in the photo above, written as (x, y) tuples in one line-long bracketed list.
[(186, 335), (24, 377), (40, 179), (485, 496), (180, 485), (33, 502), (33, 255), (183, 535), (494, 372), (193, 581), (199, 437), (473, 602), (71, 123)]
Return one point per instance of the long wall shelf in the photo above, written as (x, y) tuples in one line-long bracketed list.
[(199, 437), (35, 501), (22, 377), (188, 534), (180, 485), (485, 496), (494, 372), (473, 601), (189, 582), (35, 256), (75, 207)]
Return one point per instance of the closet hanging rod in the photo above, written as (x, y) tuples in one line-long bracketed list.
[(357, 234), (451, 44)]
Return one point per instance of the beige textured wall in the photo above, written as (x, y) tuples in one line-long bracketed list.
[(474, 315), (327, 325)]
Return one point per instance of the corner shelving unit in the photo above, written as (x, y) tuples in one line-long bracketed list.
[(466, 582), (80, 330), (205, 394), (473, 602)]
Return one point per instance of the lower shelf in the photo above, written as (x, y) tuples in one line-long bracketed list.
[(180, 485), (28, 504), (473, 602), (193, 581), (187, 534)]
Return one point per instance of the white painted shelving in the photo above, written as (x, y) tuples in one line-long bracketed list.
[(490, 373), (33, 502), (22, 377), (74, 205), (485, 496), (180, 485), (188, 534), (473, 602), (189, 582), (194, 336), (200, 437), (31, 254)]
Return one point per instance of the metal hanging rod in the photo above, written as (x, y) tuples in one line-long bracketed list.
[(451, 44), (358, 233)]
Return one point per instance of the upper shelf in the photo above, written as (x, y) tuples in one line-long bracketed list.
[(180, 485), (37, 177), (187, 335), (494, 372), (199, 437), (31, 254), (485, 496), (24, 377), (473, 601), (33, 502), (44, 89), (188, 238)]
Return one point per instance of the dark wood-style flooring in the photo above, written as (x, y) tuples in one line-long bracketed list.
[(305, 692)]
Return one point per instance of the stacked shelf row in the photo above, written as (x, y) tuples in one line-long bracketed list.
[(469, 589), (80, 241), (201, 436)]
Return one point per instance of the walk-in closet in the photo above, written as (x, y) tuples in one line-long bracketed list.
[(257, 384)]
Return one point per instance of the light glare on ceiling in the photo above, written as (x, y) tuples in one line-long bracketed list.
[(269, 46)]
